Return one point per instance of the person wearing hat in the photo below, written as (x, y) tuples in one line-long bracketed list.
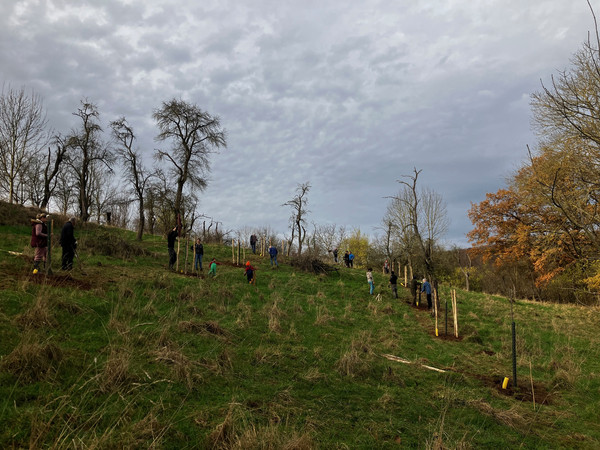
[(249, 272), (39, 240), (68, 244)]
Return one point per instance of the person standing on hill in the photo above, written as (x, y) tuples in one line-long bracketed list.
[(171, 238), (426, 287), (39, 240), (351, 259), (68, 244), (335, 255), (394, 284), (199, 251), (253, 241), (414, 286), (347, 259), (370, 281), (273, 254)]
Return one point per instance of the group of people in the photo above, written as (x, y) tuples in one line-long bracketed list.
[(39, 241), (198, 249), (349, 259), (393, 283)]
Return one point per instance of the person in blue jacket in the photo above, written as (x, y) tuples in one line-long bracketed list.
[(273, 255), (426, 287), (351, 259)]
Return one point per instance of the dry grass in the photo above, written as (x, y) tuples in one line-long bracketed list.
[(208, 328), (239, 431), (170, 354), (116, 370), (244, 315), (566, 366), (356, 360), (220, 365), (267, 355), (323, 316), (39, 315), (274, 314), (511, 417), (31, 360)]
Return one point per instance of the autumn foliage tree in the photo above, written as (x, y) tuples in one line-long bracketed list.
[(549, 216)]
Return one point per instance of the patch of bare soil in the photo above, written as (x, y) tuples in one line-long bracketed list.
[(523, 392)]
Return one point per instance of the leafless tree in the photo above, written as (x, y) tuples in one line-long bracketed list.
[(298, 217), (23, 135), (135, 172), (87, 153), (194, 134), (420, 219)]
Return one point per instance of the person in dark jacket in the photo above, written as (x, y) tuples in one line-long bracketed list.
[(426, 287), (171, 238), (347, 259), (253, 241), (68, 244), (39, 240), (414, 286), (394, 284), (199, 251)]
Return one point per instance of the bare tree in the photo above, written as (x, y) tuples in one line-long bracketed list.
[(22, 135), (421, 219), (298, 217), (195, 134), (135, 171), (87, 152), (64, 192), (52, 166)]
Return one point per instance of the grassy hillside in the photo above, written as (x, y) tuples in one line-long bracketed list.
[(123, 353)]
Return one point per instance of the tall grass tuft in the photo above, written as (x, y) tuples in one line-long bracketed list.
[(356, 361), (31, 360), (39, 315)]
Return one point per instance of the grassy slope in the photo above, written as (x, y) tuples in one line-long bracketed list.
[(124, 353)]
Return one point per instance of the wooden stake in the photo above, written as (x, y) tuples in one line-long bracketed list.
[(194, 254), (405, 276), (187, 241), (177, 264), (233, 251), (49, 256), (435, 308), (455, 312), (532, 391)]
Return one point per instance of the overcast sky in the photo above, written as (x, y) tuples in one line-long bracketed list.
[(349, 96)]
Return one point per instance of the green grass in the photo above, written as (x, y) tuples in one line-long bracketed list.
[(123, 353)]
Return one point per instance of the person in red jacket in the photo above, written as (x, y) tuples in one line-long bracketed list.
[(249, 272), (39, 240)]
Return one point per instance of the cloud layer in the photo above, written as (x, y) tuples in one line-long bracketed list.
[(347, 95)]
